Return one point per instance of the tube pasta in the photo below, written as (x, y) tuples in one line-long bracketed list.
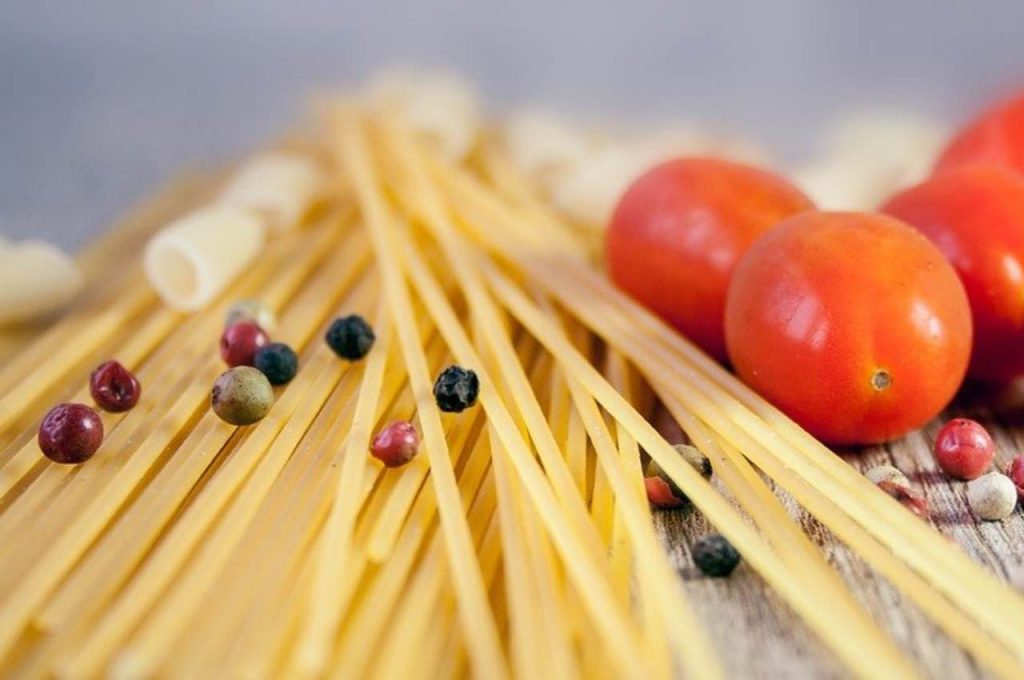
[(439, 106), (278, 186), (36, 279), (192, 259), (868, 156), (544, 146)]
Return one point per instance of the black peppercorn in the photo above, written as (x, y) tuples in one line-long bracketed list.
[(350, 337), (715, 556), (456, 389), (278, 362)]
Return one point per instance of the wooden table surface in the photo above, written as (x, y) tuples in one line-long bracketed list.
[(758, 636)]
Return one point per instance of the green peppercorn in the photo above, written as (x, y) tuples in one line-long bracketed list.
[(715, 556), (278, 362), (242, 396), (351, 337), (693, 456), (456, 389), (251, 310)]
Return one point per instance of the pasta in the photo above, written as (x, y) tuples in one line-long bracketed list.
[(545, 147), (867, 157), (37, 279), (280, 187), (192, 259), (437, 105)]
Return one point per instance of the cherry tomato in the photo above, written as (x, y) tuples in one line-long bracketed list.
[(975, 215), (996, 137), (964, 449), (853, 324), (679, 230)]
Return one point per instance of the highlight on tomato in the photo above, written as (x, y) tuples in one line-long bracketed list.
[(853, 324), (996, 137), (975, 215), (678, 231)]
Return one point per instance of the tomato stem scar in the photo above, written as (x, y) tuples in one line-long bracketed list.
[(881, 380)]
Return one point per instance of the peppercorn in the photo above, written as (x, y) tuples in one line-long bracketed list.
[(240, 341), (251, 310), (70, 433), (663, 493), (241, 396), (1015, 471), (887, 473), (456, 389), (992, 496), (278, 362), (715, 556), (351, 337), (907, 498), (396, 444), (114, 388), (696, 459), (964, 449)]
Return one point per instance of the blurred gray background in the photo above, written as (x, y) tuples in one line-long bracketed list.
[(102, 100)]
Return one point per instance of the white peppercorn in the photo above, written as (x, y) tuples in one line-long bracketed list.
[(251, 310), (887, 473), (992, 496)]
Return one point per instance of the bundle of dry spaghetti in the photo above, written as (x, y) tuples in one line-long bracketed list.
[(520, 543)]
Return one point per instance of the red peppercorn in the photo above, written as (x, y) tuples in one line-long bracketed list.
[(660, 494), (113, 387), (964, 449), (70, 433), (1015, 471), (240, 341), (907, 498), (396, 444)]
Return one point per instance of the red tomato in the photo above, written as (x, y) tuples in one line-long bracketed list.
[(975, 215), (679, 230), (853, 324), (994, 138)]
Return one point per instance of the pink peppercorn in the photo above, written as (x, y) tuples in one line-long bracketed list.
[(1015, 471), (396, 444), (660, 494), (907, 498), (964, 449), (70, 433), (114, 388), (240, 341)]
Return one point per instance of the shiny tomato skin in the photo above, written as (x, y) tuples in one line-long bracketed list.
[(853, 324), (679, 230), (975, 215), (996, 137)]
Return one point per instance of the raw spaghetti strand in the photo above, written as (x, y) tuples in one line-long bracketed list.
[(475, 615), (321, 626), (588, 577)]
